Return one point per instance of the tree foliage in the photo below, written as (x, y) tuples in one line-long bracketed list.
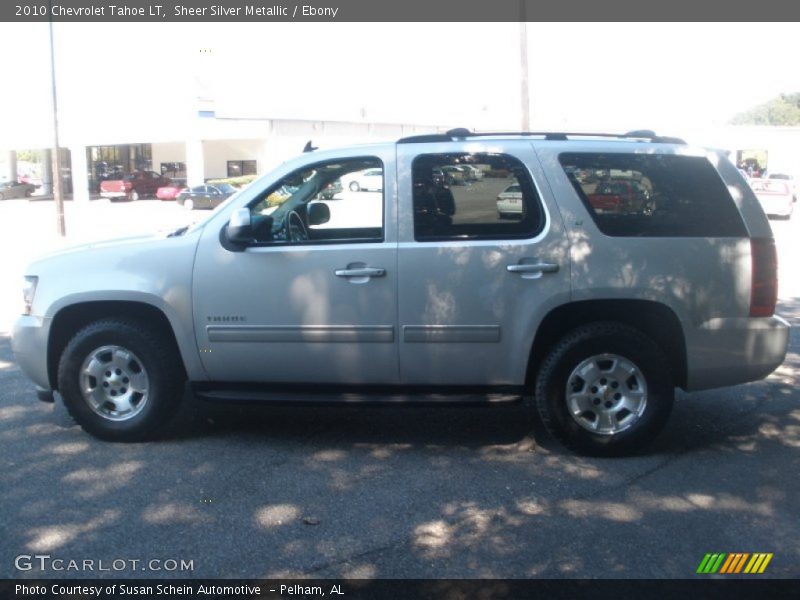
[(29, 155), (783, 110)]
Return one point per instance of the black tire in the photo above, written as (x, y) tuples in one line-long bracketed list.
[(592, 340), (161, 362), (354, 187)]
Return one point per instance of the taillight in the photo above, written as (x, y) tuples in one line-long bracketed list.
[(764, 288)]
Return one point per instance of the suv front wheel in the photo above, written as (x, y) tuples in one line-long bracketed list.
[(605, 389), (121, 379)]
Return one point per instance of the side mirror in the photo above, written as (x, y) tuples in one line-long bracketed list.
[(239, 229), (318, 213)]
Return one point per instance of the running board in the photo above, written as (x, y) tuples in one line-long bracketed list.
[(321, 394)]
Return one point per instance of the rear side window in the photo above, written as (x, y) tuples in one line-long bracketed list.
[(653, 195), (474, 196)]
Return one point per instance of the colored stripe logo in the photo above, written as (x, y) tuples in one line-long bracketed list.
[(735, 562)]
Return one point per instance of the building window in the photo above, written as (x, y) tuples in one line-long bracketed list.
[(173, 170), (237, 168), (114, 162)]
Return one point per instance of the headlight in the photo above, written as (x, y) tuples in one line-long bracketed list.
[(28, 292)]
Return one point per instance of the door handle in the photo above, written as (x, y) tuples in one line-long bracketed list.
[(532, 268), (361, 272)]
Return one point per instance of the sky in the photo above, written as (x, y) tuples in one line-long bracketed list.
[(583, 76)]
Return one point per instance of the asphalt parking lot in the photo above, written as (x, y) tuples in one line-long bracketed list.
[(388, 492)]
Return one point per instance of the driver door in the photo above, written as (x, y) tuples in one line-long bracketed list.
[(313, 307)]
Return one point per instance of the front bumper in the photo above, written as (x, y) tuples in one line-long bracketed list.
[(29, 344), (723, 352)]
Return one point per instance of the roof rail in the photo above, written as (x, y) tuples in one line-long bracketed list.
[(462, 133)]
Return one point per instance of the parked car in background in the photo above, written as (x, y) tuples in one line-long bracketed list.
[(791, 181), (438, 177), (139, 184), (509, 202), (454, 176), (471, 173), (331, 190), (205, 196), (619, 196), (16, 189), (368, 180), (775, 196), (171, 191)]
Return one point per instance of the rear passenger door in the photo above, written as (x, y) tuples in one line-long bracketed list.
[(477, 269)]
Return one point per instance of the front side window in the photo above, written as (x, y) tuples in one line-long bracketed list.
[(325, 202), (462, 196), (653, 195)]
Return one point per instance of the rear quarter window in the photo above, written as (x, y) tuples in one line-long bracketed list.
[(653, 195)]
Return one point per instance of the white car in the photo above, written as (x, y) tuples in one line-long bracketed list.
[(509, 201), (472, 173), (791, 181), (368, 180), (775, 196)]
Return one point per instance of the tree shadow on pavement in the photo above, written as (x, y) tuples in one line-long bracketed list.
[(404, 491)]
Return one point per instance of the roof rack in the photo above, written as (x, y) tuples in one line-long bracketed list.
[(461, 133)]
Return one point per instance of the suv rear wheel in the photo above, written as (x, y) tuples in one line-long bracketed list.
[(121, 379), (605, 389)]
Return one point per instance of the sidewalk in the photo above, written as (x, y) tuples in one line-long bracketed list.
[(67, 197)]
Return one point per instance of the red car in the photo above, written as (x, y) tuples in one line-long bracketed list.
[(171, 191), (133, 186), (618, 196)]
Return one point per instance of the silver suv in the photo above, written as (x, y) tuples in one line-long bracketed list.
[(618, 268)]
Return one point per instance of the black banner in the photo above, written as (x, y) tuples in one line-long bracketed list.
[(398, 11), (396, 589)]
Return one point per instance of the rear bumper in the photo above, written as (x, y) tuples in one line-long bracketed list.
[(779, 206), (113, 194), (724, 352)]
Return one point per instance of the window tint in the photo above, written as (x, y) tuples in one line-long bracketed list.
[(653, 195), (351, 191), (473, 196)]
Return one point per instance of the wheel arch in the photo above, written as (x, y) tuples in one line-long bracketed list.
[(654, 319), (73, 317)]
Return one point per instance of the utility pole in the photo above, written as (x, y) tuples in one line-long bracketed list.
[(523, 48), (57, 189)]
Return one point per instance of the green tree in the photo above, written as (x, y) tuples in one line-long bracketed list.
[(783, 110), (29, 155)]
